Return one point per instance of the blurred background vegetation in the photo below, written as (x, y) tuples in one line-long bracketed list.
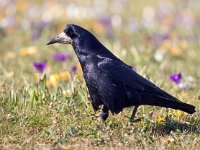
[(163, 32)]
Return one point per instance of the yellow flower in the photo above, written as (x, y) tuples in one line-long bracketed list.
[(21, 5), (54, 80), (177, 113), (65, 75), (27, 51), (37, 76), (161, 120), (48, 83), (175, 51), (142, 122)]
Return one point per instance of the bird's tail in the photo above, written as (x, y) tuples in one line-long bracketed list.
[(190, 109), (170, 102)]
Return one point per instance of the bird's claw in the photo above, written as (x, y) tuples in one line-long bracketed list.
[(135, 120), (103, 116)]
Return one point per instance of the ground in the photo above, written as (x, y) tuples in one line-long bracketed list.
[(44, 102)]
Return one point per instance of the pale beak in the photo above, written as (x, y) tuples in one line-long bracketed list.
[(61, 38)]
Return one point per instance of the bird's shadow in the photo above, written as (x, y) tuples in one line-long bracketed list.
[(166, 129)]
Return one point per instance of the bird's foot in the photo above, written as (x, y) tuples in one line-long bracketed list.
[(132, 119), (135, 120), (104, 116)]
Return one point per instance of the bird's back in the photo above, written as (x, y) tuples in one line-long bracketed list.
[(113, 83)]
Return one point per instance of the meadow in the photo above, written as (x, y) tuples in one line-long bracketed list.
[(44, 102)]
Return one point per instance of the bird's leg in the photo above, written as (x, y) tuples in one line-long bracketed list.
[(132, 119), (104, 113)]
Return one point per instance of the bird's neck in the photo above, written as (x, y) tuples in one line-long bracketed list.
[(80, 51), (87, 51)]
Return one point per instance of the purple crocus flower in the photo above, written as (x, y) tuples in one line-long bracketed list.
[(61, 57), (176, 78), (8, 22), (157, 39), (105, 20), (40, 66), (74, 68)]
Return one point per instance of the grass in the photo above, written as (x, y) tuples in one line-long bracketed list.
[(40, 111), (32, 117)]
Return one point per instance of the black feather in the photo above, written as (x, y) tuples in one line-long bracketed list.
[(113, 83)]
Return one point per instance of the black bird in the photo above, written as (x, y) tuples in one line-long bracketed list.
[(110, 81)]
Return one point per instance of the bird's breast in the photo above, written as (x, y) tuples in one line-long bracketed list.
[(90, 72)]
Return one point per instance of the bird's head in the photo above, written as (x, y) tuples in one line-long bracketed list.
[(82, 40), (70, 34)]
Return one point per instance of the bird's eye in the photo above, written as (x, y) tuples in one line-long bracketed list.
[(70, 32)]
